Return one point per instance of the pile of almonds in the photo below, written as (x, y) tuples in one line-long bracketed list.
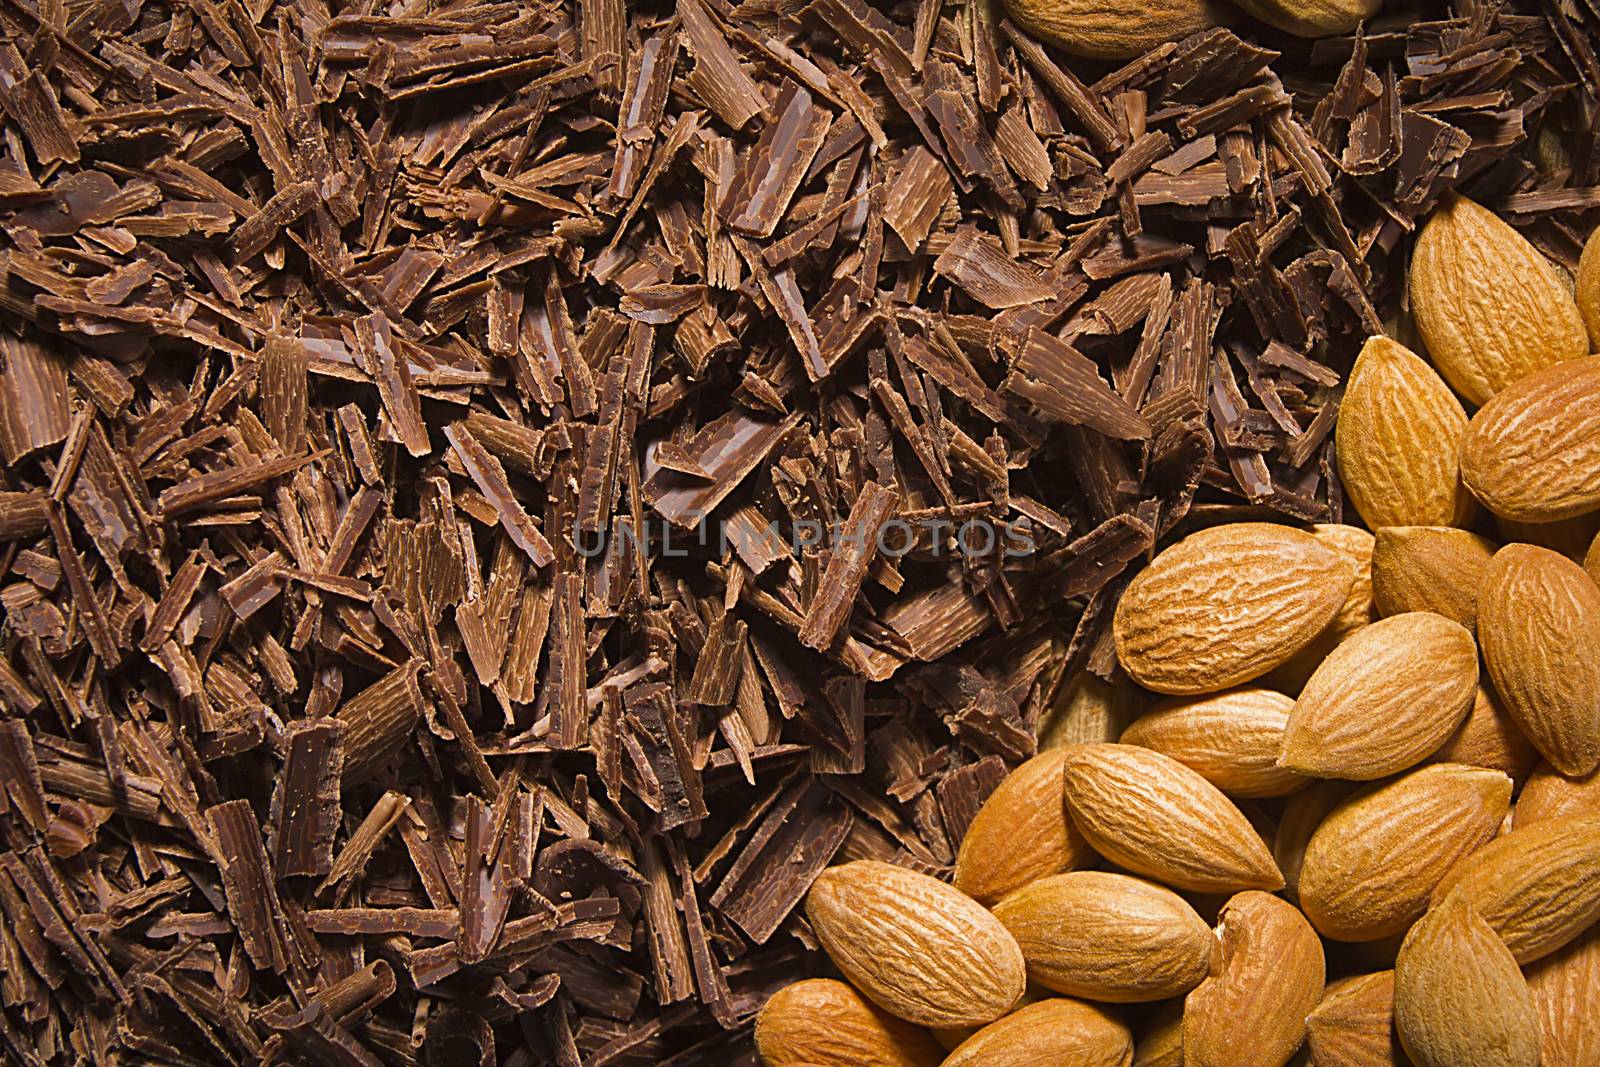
[(1330, 753)]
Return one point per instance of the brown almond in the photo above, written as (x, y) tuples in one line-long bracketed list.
[(918, 948), (1107, 937), (1490, 738), (1538, 886), (1399, 440), (1588, 294), (1489, 306), (1566, 988), (1057, 1030), (1089, 710), (1226, 605), (1550, 794), (1430, 568), (1021, 833), (1383, 700), (1251, 1011), (1459, 999), (1156, 817), (1312, 18), (1302, 814), (1230, 739), (1357, 611), (1530, 453), (1099, 31), (1539, 624), (1372, 864), (1353, 1024), (825, 1022)]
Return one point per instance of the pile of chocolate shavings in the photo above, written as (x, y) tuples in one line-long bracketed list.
[(410, 419)]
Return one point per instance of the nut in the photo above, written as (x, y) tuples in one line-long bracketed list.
[(1589, 288), (1564, 987), (1057, 1030), (1430, 568), (828, 1024), (1312, 18), (1230, 739), (1021, 833), (1531, 453), (1353, 1024), (1112, 31)]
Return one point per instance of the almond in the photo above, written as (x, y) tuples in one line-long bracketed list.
[(1588, 294), (1302, 814), (1021, 833), (1057, 1030), (1570, 537), (1550, 794), (918, 948), (1370, 867), (1230, 739), (1312, 18), (1459, 999), (1399, 440), (1490, 738), (1269, 974), (1357, 611), (1089, 710), (1566, 986), (1383, 700), (824, 1022), (1591, 559), (1108, 937), (1353, 1024), (1162, 1043), (1226, 605), (1538, 886), (1430, 568), (1489, 306), (1101, 31), (1539, 623), (1156, 817), (1530, 453)]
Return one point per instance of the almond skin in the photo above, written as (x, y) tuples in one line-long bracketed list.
[(1302, 814), (1530, 453), (1089, 711), (1570, 537), (1057, 1030), (1353, 1024), (1490, 308), (1591, 559), (1490, 738), (1588, 294), (825, 1022), (1162, 1043), (1230, 739), (1459, 999), (1399, 440), (1430, 568), (1269, 974), (1539, 624), (1384, 699), (1371, 866), (1550, 794), (1316, 18), (1021, 833), (1101, 31), (1565, 986), (1108, 937), (1358, 611), (1156, 817), (1226, 605), (920, 949)]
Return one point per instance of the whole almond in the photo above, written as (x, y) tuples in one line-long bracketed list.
[(1489, 306), (1399, 440), (1251, 1011), (825, 1022), (1107, 937), (1021, 833), (1550, 794), (1230, 739), (1356, 612), (1539, 625), (1538, 886), (1490, 738), (1226, 605), (1371, 866), (1353, 1024), (1430, 568), (916, 947), (1383, 700), (1459, 999), (1099, 31), (1530, 454), (1151, 814), (1312, 18), (1566, 987), (1588, 294), (1057, 1030)]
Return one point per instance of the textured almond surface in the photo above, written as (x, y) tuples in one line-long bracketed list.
[(1226, 605), (1089, 710), (1057, 1030), (1490, 738), (1112, 31), (1430, 568), (1565, 987), (1302, 814), (1550, 794), (1251, 1010), (1312, 18), (824, 1022), (1356, 612), (1161, 1044), (1531, 454), (1107, 937), (1538, 886), (1591, 559), (1353, 1024), (1589, 288), (1384, 699), (1570, 537), (1021, 833), (1151, 814), (1539, 625), (1371, 865), (918, 948), (1231, 739), (1459, 999), (1399, 440), (1491, 309)]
